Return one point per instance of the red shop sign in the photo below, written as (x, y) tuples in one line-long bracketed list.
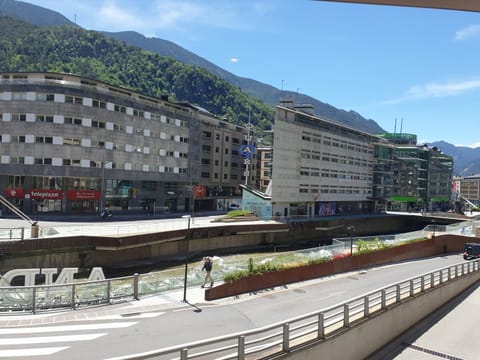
[(199, 191), (16, 193), (83, 195), (40, 194)]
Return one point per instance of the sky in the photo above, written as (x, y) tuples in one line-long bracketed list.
[(411, 70)]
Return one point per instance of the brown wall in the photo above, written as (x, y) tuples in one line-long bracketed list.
[(439, 245)]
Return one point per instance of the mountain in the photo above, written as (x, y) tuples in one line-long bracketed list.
[(70, 49), (263, 92), (32, 13), (466, 160), (266, 93)]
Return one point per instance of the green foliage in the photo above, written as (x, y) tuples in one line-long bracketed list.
[(253, 270), (319, 260), (237, 213), (69, 49)]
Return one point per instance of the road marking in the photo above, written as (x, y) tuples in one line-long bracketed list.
[(131, 316), (49, 339), (30, 352), (79, 327)]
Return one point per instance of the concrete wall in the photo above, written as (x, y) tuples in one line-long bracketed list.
[(169, 246), (367, 336)]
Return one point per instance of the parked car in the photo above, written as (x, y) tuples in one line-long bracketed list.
[(234, 207), (471, 251)]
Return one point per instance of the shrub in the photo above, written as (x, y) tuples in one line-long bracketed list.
[(237, 213)]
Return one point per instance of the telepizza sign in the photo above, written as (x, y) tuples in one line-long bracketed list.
[(40, 194)]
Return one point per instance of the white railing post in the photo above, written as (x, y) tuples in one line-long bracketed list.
[(412, 288), (398, 293), (366, 306), (321, 326), (384, 299), (184, 354), (422, 283), (241, 348), (346, 315), (286, 337)]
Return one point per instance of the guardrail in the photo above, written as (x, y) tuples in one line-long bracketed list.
[(19, 299), (12, 233), (282, 336)]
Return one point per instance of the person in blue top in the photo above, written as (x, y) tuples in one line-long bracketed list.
[(207, 266)]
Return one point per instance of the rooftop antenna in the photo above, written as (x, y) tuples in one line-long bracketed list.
[(401, 126), (395, 127)]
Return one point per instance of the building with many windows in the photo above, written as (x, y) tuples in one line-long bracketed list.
[(320, 167), (71, 144)]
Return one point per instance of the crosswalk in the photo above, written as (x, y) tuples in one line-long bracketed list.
[(35, 341)]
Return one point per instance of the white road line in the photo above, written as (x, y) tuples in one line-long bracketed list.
[(49, 339), (134, 316), (79, 327), (22, 353)]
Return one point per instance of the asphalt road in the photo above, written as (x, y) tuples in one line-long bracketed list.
[(105, 336)]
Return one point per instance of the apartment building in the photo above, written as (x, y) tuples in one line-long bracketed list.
[(70, 144)]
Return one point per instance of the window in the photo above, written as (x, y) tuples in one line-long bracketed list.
[(44, 118), (119, 108), (19, 117)]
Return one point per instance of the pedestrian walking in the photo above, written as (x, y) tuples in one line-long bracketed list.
[(207, 266)]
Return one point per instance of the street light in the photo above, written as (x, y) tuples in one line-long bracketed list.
[(350, 231), (187, 240)]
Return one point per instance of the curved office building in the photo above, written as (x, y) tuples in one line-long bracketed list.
[(70, 144)]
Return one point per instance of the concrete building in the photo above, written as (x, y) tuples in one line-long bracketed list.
[(264, 167), (422, 175), (320, 167), (469, 190), (70, 144)]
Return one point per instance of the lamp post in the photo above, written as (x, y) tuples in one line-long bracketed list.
[(187, 240), (350, 231)]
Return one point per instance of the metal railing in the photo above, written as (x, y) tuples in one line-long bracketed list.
[(8, 234), (19, 299), (282, 336)]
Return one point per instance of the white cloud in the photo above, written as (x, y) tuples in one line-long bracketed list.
[(234, 60), (436, 90), (467, 32), (114, 16)]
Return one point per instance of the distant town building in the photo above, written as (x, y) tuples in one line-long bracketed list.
[(264, 167), (469, 190)]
